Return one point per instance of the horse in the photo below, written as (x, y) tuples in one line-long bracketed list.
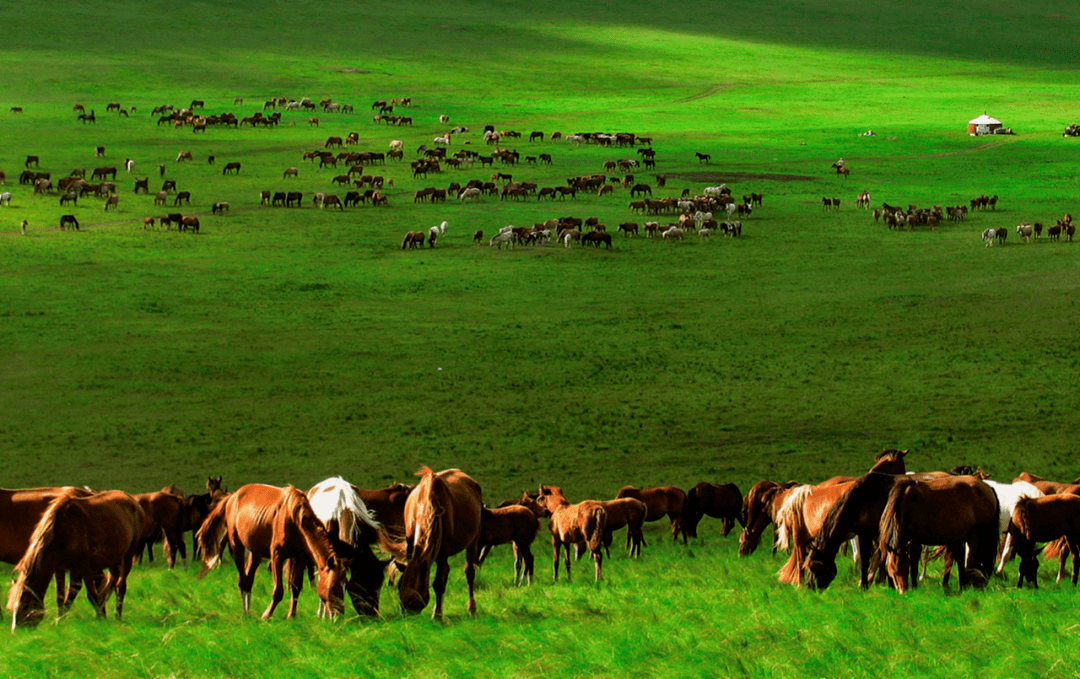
[(388, 506), (69, 221), (1008, 494), (84, 535), (722, 502), (661, 501), (703, 158), (276, 524), (234, 166), (165, 512), (584, 522), (1045, 519), (515, 524), (442, 518), (956, 511), (352, 529), (759, 509)]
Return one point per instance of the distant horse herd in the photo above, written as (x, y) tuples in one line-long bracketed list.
[(81, 539)]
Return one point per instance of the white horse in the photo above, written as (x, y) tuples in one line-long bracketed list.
[(442, 228), (1024, 231), (704, 234), (731, 208), (715, 190), (5, 197), (1008, 494), (502, 237), (988, 236), (337, 499), (673, 233), (444, 118), (441, 141), (471, 193), (397, 145), (700, 217), (129, 163)]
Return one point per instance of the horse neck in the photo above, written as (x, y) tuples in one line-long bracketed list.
[(315, 537)]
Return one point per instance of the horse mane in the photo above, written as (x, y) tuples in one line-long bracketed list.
[(294, 506), (427, 534), (1021, 516), (789, 514), (873, 481), (42, 537), (889, 452)]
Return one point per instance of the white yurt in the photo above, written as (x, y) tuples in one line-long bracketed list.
[(984, 124)]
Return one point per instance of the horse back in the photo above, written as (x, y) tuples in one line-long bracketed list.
[(97, 531), (20, 511), (249, 517)]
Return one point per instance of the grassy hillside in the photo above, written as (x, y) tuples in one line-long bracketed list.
[(289, 345)]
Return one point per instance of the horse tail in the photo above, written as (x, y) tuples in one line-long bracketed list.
[(405, 242), (42, 537), (595, 527), (428, 528), (691, 517), (1022, 518), (785, 518), (210, 537), (892, 519)]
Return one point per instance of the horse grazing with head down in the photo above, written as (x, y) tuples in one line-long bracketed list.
[(661, 501), (957, 511), (724, 502), (276, 524), (759, 509), (84, 535), (442, 518), (570, 524), (352, 529)]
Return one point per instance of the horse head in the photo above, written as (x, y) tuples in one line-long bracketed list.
[(819, 572), (330, 586), (413, 590)]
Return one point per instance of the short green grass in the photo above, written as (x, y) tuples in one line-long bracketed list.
[(286, 346)]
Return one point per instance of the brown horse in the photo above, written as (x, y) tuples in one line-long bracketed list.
[(84, 535), (442, 518), (388, 505), (515, 524), (1045, 519), (352, 529), (724, 502), (661, 501), (166, 518), (759, 507), (276, 524), (570, 524), (955, 511), (799, 520)]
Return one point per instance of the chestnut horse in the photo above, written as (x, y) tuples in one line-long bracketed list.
[(661, 501), (570, 524), (442, 518), (956, 511), (166, 517), (388, 505), (759, 507), (724, 502), (276, 524), (515, 524), (1045, 519), (84, 535), (20, 512), (352, 529)]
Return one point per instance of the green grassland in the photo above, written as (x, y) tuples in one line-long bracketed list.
[(286, 346)]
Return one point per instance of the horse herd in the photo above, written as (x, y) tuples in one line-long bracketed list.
[(83, 539)]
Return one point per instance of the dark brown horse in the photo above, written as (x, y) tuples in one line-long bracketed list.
[(1045, 519), (956, 511), (84, 535), (352, 529), (388, 505), (442, 518), (759, 507), (276, 524), (724, 502), (571, 524), (661, 501), (166, 518)]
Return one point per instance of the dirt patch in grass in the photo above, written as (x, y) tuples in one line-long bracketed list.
[(451, 28), (736, 177)]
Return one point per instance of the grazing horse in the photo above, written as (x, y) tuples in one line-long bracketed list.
[(661, 501), (442, 518), (515, 524), (799, 520), (703, 157), (1045, 519), (276, 524), (234, 166), (759, 510), (956, 511), (352, 529), (84, 535), (584, 522), (1008, 494), (724, 502)]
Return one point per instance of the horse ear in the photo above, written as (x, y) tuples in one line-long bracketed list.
[(903, 452)]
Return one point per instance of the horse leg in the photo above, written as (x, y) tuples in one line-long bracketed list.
[(120, 578), (865, 546), (1062, 557), (947, 568), (1076, 560), (61, 591), (442, 574), (726, 524), (295, 577), (277, 567), (555, 561), (73, 592), (527, 550), (598, 558), (470, 574), (518, 565), (245, 574), (567, 545)]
